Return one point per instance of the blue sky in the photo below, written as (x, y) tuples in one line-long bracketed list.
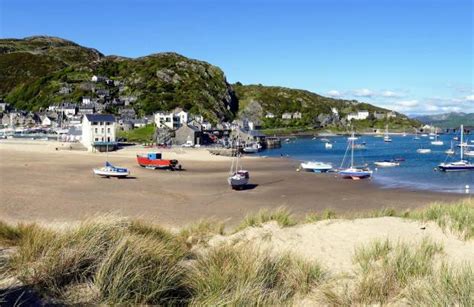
[(415, 56)]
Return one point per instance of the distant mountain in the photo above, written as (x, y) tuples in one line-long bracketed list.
[(448, 120), (38, 71)]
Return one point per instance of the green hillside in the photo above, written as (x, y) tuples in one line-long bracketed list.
[(448, 120), (38, 71)]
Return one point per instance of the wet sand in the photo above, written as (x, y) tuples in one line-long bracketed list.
[(46, 185)]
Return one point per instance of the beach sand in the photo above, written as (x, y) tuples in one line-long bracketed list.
[(40, 183)]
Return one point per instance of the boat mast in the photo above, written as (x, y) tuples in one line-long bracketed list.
[(462, 144), (352, 150)]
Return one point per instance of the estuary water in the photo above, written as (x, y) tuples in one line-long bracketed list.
[(417, 172)]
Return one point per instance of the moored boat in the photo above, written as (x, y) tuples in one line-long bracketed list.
[(317, 167), (387, 163), (354, 172), (327, 145), (423, 150), (111, 171), (154, 160), (461, 165)]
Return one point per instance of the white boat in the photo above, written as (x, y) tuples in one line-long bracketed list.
[(469, 153), (111, 171), (317, 167), (325, 140), (461, 165), (386, 138), (252, 148), (424, 135), (353, 172), (387, 163), (451, 150), (423, 150), (436, 141), (238, 177), (328, 145)]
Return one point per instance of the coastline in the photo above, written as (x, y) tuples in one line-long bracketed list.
[(42, 184)]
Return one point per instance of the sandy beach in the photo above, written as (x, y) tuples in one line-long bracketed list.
[(40, 183)]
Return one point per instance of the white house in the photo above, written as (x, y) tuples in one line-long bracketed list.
[(68, 109), (98, 78), (86, 100), (270, 115), (171, 120), (286, 115), (297, 115), (391, 114), (48, 122), (360, 115), (97, 130), (334, 111)]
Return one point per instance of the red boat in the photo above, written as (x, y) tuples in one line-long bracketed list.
[(154, 161)]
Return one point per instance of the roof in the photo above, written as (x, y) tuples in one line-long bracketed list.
[(100, 117)]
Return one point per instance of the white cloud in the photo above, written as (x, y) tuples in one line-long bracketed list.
[(334, 93), (364, 92), (469, 98), (407, 103), (390, 94)]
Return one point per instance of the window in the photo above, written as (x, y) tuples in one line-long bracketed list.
[(96, 139), (108, 130), (96, 130), (102, 130)]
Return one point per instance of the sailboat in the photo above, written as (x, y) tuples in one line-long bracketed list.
[(110, 170), (461, 165), (436, 141), (238, 178), (354, 172), (450, 151), (386, 138)]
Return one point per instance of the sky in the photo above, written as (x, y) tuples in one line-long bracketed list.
[(413, 56)]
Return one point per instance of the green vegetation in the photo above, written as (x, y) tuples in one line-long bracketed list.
[(110, 260), (448, 120), (281, 215), (138, 135), (245, 276), (255, 101), (389, 273)]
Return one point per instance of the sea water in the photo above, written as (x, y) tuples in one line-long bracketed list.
[(417, 172)]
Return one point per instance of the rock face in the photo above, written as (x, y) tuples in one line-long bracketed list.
[(34, 70)]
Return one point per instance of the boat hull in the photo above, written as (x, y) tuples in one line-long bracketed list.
[(111, 173), (144, 161), (355, 175)]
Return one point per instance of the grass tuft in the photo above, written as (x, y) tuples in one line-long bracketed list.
[(230, 275), (200, 232), (281, 215)]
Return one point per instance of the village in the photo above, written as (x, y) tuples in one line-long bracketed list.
[(97, 120)]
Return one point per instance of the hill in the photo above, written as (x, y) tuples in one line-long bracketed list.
[(38, 71), (256, 101), (448, 120)]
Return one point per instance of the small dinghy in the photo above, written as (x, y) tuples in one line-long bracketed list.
[(423, 150), (327, 145), (387, 163), (317, 167), (111, 171)]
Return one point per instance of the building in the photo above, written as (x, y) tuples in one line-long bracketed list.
[(334, 111), (86, 100), (98, 132), (98, 78), (171, 120), (86, 109), (391, 114), (48, 121), (249, 136), (68, 109), (286, 115), (269, 115), (379, 115), (297, 115), (3, 106), (360, 115), (187, 134)]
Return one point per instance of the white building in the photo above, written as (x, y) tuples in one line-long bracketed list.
[(334, 111), (361, 115), (172, 120), (297, 115), (47, 121), (270, 115), (286, 115), (98, 129), (68, 109), (98, 78), (86, 100)]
